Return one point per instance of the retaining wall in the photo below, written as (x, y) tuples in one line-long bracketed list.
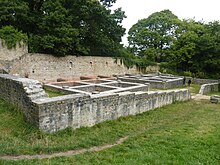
[(78, 110), (206, 88)]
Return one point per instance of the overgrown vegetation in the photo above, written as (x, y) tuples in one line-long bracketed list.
[(11, 37), (130, 60), (180, 133)]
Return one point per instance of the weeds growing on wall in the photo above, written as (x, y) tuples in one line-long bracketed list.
[(12, 36)]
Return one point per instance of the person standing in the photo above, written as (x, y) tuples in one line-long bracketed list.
[(184, 81), (189, 82)]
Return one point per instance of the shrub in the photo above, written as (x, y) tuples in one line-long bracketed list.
[(12, 36), (187, 73)]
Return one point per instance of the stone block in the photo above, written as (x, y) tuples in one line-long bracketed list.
[(215, 99)]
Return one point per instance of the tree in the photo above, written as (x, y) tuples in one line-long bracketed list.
[(63, 27), (107, 3), (13, 12), (197, 48), (183, 50), (208, 50), (11, 36), (154, 34)]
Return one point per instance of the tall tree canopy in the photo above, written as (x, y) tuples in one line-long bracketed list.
[(183, 45), (198, 48), (153, 35), (65, 26)]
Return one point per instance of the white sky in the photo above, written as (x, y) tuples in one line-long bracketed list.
[(207, 10)]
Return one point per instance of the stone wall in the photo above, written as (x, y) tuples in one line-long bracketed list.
[(44, 67), (10, 54), (79, 110), (155, 84), (72, 111), (203, 81), (22, 92), (206, 88)]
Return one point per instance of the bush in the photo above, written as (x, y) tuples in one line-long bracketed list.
[(187, 73), (12, 36), (130, 60)]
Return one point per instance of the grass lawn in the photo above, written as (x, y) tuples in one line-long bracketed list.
[(214, 93), (193, 88), (52, 93), (181, 133)]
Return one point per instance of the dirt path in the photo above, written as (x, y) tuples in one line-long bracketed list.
[(67, 153)]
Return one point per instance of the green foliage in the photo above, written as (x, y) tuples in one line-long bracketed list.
[(182, 133), (196, 49), (14, 13), (169, 68), (61, 27), (12, 36), (130, 60), (153, 35), (180, 45), (187, 73)]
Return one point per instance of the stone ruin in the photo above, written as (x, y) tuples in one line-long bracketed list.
[(158, 81), (85, 103), (215, 99), (88, 101)]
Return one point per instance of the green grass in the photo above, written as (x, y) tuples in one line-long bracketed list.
[(193, 88), (181, 133), (214, 93), (52, 93)]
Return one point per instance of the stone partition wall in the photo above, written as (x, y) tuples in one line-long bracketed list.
[(203, 81), (22, 92), (155, 83), (44, 67), (206, 88), (80, 110)]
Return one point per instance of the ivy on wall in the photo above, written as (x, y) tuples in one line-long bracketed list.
[(12, 36)]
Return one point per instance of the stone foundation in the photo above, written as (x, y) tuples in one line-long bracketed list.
[(206, 88), (157, 81), (80, 110)]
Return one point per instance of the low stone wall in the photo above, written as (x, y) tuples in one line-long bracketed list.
[(203, 81), (22, 92), (215, 99), (155, 83), (73, 111), (78, 110), (206, 88)]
